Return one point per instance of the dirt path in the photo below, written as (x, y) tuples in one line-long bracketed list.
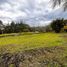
[(42, 57)]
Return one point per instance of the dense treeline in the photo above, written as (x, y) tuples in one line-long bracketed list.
[(56, 25), (14, 27)]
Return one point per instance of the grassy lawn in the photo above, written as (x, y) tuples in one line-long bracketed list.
[(31, 41), (51, 50)]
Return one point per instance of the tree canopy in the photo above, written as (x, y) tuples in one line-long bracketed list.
[(57, 25)]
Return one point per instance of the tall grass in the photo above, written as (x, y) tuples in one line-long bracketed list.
[(28, 41)]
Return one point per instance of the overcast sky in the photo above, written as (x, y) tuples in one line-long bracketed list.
[(33, 12)]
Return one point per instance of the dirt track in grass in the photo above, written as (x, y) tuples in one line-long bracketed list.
[(41, 57)]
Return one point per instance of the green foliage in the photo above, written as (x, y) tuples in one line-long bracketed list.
[(1, 27), (16, 27), (65, 25), (57, 25)]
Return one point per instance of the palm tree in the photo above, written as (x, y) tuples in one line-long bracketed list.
[(59, 2)]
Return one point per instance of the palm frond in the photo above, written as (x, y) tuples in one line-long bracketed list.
[(58, 2), (65, 6)]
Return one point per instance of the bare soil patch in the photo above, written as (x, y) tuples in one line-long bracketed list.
[(41, 57)]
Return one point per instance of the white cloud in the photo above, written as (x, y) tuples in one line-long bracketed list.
[(32, 11)]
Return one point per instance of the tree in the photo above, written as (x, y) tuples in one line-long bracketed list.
[(7, 28), (57, 25), (1, 22), (65, 25), (1, 27), (59, 2), (12, 25), (16, 27)]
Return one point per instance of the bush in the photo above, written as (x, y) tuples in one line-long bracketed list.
[(57, 25)]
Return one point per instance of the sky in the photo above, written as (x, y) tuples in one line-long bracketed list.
[(32, 12)]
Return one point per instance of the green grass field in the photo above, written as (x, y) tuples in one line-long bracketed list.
[(38, 50), (31, 41)]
